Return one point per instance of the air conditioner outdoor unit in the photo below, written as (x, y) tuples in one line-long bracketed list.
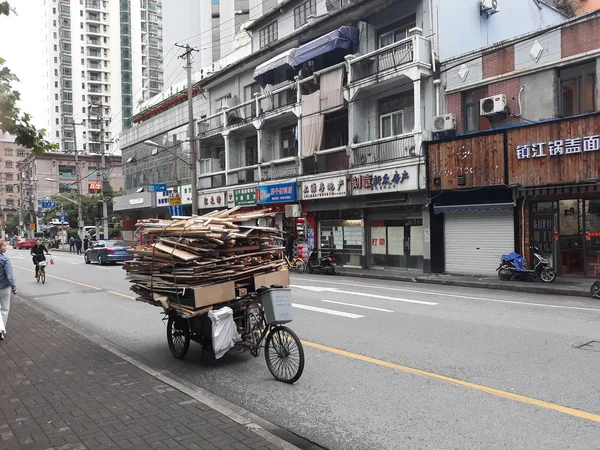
[(293, 211), (488, 7), (493, 105), (447, 122)]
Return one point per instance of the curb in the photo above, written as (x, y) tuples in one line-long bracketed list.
[(471, 284), (284, 439)]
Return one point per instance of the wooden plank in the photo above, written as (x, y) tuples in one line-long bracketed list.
[(177, 253)]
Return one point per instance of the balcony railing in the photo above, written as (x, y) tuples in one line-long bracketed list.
[(277, 170), (387, 149), (92, 4), (401, 53), (211, 181)]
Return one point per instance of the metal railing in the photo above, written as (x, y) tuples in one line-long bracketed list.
[(394, 55), (279, 170), (387, 149)]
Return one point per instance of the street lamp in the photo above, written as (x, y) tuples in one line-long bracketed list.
[(78, 203)]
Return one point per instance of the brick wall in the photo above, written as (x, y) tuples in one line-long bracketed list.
[(499, 62), (510, 88), (580, 38), (454, 106)]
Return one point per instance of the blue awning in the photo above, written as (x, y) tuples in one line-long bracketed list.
[(264, 73), (473, 208), (345, 38)]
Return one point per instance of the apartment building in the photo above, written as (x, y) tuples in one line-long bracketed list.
[(103, 57), (10, 156)]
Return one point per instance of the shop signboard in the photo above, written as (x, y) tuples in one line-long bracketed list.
[(186, 194), (276, 193), (164, 198), (244, 197), (325, 188), (132, 201), (214, 200), (384, 181)]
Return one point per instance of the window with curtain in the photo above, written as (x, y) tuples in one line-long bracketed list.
[(578, 90), (472, 118)]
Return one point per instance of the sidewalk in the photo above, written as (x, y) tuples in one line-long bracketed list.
[(61, 390), (578, 287)]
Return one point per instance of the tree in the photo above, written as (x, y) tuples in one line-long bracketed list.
[(567, 7), (12, 119), (90, 209)]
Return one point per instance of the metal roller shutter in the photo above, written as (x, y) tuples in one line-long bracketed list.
[(474, 241)]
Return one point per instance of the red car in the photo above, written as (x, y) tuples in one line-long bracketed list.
[(23, 243)]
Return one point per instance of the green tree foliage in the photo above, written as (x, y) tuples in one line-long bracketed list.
[(12, 119), (90, 209)]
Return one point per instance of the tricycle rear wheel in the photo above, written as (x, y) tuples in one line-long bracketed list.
[(178, 336), (284, 354)]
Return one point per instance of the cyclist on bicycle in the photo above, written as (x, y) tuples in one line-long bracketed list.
[(37, 251)]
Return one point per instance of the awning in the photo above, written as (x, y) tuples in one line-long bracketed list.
[(264, 72), (473, 208), (345, 38)]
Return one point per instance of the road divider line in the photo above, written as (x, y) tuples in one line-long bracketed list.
[(64, 279), (362, 294), (333, 312), (131, 297), (358, 306), (488, 390)]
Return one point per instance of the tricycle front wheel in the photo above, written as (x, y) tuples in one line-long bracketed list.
[(284, 354), (178, 336)]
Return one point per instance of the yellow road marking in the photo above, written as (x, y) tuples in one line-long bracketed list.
[(64, 279), (497, 392)]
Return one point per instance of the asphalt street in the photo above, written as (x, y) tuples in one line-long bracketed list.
[(388, 365)]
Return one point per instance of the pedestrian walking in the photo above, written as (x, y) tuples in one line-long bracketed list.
[(8, 285), (71, 244), (86, 243), (78, 245)]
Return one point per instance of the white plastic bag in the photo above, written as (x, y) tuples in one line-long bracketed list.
[(224, 330)]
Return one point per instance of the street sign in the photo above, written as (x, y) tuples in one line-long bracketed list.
[(176, 210), (157, 188), (32, 226), (62, 218), (174, 199), (40, 214), (48, 203)]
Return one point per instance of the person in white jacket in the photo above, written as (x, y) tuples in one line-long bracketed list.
[(8, 285)]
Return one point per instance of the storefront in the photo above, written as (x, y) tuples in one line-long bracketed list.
[(211, 202), (556, 167), (139, 205), (276, 196), (472, 208)]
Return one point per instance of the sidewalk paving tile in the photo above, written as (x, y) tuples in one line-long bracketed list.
[(60, 390)]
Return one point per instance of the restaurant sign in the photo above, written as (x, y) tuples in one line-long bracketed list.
[(392, 180), (559, 147), (326, 188)]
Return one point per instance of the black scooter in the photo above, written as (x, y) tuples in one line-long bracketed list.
[(324, 265)]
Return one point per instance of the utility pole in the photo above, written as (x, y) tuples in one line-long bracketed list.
[(20, 204), (78, 178), (104, 175), (191, 131)]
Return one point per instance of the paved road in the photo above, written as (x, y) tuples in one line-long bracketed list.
[(389, 365)]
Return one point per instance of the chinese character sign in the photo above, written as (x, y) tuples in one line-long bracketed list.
[(392, 180), (560, 147), (276, 193), (244, 197), (327, 188), (215, 200), (378, 240)]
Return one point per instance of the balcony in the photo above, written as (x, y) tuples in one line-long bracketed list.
[(330, 160), (95, 79), (387, 149), (94, 29), (94, 65), (93, 17), (93, 4), (94, 42), (279, 169), (410, 58), (94, 125), (208, 181)]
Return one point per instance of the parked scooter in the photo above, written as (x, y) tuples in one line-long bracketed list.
[(514, 266), (596, 289), (324, 265)]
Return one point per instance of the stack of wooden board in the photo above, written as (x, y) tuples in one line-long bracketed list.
[(200, 261)]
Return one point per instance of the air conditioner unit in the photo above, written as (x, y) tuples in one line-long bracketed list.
[(488, 7), (447, 122), (493, 105), (293, 211)]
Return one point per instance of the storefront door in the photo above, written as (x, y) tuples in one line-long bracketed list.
[(397, 243), (592, 237)]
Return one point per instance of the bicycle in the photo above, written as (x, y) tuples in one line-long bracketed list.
[(41, 272), (295, 263)]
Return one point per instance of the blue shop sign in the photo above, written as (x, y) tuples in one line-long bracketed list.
[(276, 193)]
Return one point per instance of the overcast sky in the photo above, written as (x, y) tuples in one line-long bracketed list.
[(22, 48)]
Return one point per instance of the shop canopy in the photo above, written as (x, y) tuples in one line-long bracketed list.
[(473, 208), (265, 72), (344, 38)]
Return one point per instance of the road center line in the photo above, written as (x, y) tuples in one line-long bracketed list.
[(327, 311), (497, 392), (466, 297), (63, 279), (358, 306)]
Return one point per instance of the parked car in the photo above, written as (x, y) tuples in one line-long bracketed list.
[(103, 252), (23, 243)]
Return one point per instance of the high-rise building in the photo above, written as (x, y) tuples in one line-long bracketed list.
[(104, 56)]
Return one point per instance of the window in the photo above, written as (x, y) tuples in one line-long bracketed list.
[(9, 187), (57, 121), (288, 142), (8, 164), (268, 34), (8, 152), (66, 171), (578, 90), (21, 152), (302, 12), (58, 134), (391, 124), (9, 176), (55, 96), (10, 201), (396, 33), (473, 121)]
